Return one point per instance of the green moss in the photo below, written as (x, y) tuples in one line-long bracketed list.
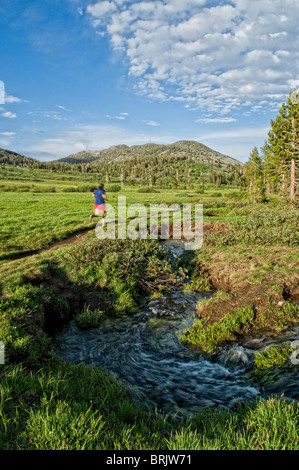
[(208, 336), (278, 317), (274, 355), (24, 313), (200, 284)]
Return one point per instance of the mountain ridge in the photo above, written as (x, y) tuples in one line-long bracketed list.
[(116, 153), (120, 153)]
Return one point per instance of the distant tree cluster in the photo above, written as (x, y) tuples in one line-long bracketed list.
[(275, 168), (12, 158), (152, 167)]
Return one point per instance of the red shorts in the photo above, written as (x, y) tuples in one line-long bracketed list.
[(98, 208)]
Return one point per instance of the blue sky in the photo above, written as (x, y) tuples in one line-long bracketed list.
[(87, 74)]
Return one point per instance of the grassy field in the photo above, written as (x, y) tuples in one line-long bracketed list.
[(250, 256), (32, 221)]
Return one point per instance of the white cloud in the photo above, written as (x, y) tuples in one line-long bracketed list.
[(211, 57), (54, 115), (13, 99), (152, 123), (100, 9), (62, 107), (8, 134), (120, 117), (8, 114), (240, 134), (217, 120)]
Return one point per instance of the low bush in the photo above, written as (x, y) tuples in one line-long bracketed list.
[(27, 312), (147, 189), (89, 318), (121, 269), (113, 188), (262, 225)]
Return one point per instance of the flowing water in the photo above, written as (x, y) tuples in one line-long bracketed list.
[(144, 352)]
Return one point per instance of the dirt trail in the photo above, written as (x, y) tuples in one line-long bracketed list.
[(66, 241), (79, 234)]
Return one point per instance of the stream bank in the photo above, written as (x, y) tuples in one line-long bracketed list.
[(145, 353)]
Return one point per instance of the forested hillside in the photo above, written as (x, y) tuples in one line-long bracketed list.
[(7, 157), (182, 164)]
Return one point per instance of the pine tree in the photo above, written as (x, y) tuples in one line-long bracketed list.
[(255, 176), (282, 159)]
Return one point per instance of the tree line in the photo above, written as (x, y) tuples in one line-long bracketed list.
[(157, 171), (274, 169)]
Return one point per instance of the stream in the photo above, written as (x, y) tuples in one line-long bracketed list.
[(144, 353)]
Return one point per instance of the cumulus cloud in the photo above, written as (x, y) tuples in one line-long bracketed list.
[(8, 114), (13, 99), (217, 58), (100, 10)]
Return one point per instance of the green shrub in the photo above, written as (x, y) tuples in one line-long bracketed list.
[(200, 284), (260, 225), (89, 318), (69, 189), (113, 188), (125, 303), (147, 189), (86, 188), (26, 313), (44, 189), (123, 269)]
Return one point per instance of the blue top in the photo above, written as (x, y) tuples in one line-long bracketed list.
[(99, 196)]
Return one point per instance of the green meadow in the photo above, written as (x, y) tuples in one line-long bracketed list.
[(46, 404), (49, 208)]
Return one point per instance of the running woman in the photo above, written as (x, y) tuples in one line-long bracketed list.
[(99, 196)]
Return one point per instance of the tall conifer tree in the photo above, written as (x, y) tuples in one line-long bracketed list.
[(282, 157)]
